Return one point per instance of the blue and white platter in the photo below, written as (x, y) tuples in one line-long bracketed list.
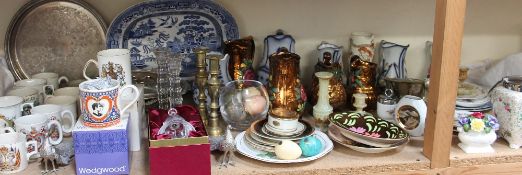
[(180, 25)]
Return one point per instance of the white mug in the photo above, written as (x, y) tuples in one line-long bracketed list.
[(9, 110), (38, 84), (6, 130), (52, 78), (70, 91), (38, 127), (68, 103), (55, 112), (13, 151), (29, 95), (114, 63)]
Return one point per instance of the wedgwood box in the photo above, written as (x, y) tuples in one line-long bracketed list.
[(102, 151), (179, 156)]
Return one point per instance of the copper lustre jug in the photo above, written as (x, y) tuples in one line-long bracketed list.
[(284, 86), (241, 57), (363, 80), (330, 60)]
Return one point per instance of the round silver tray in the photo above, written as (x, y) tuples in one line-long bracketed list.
[(54, 36)]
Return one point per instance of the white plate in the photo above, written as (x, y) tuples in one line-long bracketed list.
[(473, 92), (247, 151), (473, 103)]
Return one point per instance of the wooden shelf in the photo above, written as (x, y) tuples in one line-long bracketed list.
[(503, 154)]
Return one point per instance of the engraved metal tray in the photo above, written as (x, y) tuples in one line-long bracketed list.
[(54, 36)]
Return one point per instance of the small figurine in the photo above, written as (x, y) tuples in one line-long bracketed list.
[(176, 126), (48, 153), (228, 146)]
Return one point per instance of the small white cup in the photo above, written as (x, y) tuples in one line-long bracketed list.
[(52, 78), (38, 127), (70, 91), (38, 84), (9, 110), (13, 151), (66, 102), (29, 95), (55, 112)]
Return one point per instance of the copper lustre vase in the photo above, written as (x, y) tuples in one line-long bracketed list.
[(285, 88), (241, 57), (363, 80), (330, 58)]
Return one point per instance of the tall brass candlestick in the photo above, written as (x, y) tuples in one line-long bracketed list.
[(214, 123), (201, 82)]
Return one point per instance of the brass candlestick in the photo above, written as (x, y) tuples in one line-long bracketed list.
[(201, 82), (214, 123)]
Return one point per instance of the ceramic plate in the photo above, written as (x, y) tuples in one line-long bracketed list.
[(257, 129), (471, 91), (54, 36), (180, 25), (335, 134), (367, 129), (471, 103), (264, 156), (254, 144), (485, 107)]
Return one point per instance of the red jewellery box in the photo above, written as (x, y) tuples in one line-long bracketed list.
[(180, 155)]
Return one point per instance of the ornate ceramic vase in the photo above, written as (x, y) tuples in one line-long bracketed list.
[(392, 61), (362, 80), (330, 60), (323, 109), (362, 45), (284, 87), (476, 142), (241, 53), (506, 107), (272, 44)]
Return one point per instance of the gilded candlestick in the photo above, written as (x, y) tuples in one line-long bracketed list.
[(214, 122), (201, 82)]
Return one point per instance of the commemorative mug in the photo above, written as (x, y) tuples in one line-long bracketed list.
[(38, 127), (9, 110), (70, 91), (38, 84), (14, 152), (101, 106), (64, 117), (113, 63), (29, 95), (52, 78)]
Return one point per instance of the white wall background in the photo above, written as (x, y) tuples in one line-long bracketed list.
[(493, 29)]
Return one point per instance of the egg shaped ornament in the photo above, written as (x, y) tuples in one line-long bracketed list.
[(310, 146), (410, 114), (288, 150)]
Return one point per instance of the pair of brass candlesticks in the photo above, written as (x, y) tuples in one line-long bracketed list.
[(213, 122)]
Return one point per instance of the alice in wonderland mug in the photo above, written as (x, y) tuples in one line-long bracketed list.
[(100, 99), (113, 63), (38, 127), (9, 110), (14, 155)]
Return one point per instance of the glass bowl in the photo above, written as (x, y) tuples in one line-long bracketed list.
[(242, 102)]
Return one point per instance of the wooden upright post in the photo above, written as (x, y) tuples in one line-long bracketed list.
[(447, 42)]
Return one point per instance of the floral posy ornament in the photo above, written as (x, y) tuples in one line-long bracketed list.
[(477, 132)]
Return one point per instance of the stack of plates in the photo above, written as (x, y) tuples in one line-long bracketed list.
[(262, 137), (472, 97), (363, 132)]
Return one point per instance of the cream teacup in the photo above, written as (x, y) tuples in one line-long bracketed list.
[(52, 78), (29, 95), (55, 112), (39, 84), (14, 152), (66, 102), (9, 110), (70, 91)]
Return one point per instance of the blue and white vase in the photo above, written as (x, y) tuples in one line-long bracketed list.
[(272, 44), (392, 61)]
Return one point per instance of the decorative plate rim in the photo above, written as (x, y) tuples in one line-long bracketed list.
[(379, 139)]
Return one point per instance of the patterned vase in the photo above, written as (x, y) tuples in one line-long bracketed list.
[(330, 60), (284, 86), (392, 61), (362, 45), (241, 53), (272, 44), (362, 80), (506, 107)]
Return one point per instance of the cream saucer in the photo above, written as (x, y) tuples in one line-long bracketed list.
[(257, 128)]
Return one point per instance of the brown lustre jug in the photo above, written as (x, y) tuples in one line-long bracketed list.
[(363, 80), (284, 87), (330, 58), (241, 57)]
